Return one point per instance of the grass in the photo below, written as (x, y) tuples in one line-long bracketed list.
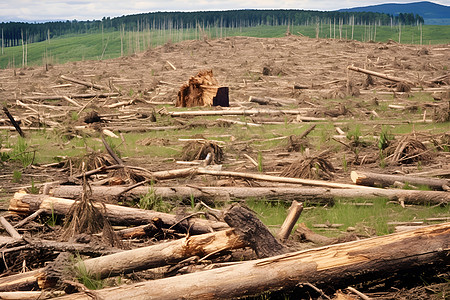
[(367, 220), (48, 145), (154, 202), (83, 276), (107, 45)]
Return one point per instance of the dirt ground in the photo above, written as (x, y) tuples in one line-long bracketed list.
[(310, 73)]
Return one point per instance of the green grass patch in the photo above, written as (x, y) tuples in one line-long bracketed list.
[(367, 220), (92, 282)]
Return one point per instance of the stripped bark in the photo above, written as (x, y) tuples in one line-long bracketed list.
[(294, 213), (335, 265), (307, 195), (306, 234), (9, 228), (163, 254), (139, 259), (243, 112), (28, 203), (383, 180), (61, 97), (85, 83), (381, 75)]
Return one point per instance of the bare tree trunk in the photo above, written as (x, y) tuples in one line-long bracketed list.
[(294, 213), (28, 203), (88, 84), (383, 180), (300, 193), (381, 75), (162, 254), (335, 265), (124, 262)]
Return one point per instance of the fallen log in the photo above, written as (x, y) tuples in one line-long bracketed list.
[(306, 234), (239, 122), (272, 101), (61, 97), (21, 281), (85, 249), (264, 101), (250, 232), (13, 121), (240, 112), (139, 259), (28, 203), (30, 295), (4, 240), (162, 254), (68, 99), (383, 180), (307, 131), (263, 177), (85, 83), (144, 230), (335, 265), (381, 75), (307, 195), (9, 228)]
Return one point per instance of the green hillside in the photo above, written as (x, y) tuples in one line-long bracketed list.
[(112, 44)]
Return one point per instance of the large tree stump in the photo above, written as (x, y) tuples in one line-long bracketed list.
[(202, 90), (253, 231)]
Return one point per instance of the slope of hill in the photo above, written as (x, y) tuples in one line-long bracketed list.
[(433, 14)]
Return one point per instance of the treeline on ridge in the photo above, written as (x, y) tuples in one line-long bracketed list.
[(13, 33)]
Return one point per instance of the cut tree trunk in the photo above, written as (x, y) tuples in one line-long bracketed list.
[(21, 281), (85, 83), (162, 254), (61, 97), (306, 234), (28, 203), (335, 265), (13, 121), (307, 195), (247, 112), (79, 248), (383, 180), (9, 228), (381, 75), (202, 90), (137, 259), (294, 213), (29, 295)]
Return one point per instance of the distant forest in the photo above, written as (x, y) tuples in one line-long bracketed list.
[(14, 33)]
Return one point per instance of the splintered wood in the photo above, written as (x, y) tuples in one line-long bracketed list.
[(202, 90)]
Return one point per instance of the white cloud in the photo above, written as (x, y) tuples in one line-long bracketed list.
[(46, 10)]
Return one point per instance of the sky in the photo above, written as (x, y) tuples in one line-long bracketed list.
[(81, 10)]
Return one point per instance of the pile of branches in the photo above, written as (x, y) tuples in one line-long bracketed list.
[(311, 167), (408, 150)]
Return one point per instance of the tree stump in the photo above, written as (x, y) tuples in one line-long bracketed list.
[(202, 90), (253, 231)]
